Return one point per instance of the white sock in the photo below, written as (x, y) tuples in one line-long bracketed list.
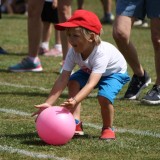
[(45, 45), (34, 59), (58, 47)]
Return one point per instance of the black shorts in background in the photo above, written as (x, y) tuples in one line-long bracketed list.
[(49, 14)]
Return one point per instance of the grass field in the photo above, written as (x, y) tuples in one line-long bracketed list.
[(137, 125)]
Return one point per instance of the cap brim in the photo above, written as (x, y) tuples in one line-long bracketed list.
[(63, 26)]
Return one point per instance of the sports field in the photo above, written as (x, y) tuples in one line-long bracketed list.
[(137, 125)]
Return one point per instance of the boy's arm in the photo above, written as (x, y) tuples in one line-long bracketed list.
[(56, 91), (58, 87)]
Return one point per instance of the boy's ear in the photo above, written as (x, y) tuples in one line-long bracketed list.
[(92, 37)]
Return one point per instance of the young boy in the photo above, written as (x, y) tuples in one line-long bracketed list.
[(101, 65)]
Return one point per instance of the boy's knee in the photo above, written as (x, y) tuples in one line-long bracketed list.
[(103, 100)]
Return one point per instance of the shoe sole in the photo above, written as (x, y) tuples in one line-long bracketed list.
[(78, 133), (150, 102), (137, 95), (29, 70)]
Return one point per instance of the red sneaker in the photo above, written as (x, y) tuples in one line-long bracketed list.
[(107, 134), (79, 129)]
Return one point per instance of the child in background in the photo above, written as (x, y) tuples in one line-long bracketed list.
[(101, 65), (14, 6), (50, 16)]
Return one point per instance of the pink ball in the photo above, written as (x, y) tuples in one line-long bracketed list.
[(55, 125)]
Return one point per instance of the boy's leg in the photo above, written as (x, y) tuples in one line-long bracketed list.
[(109, 87), (76, 82), (73, 88), (107, 112)]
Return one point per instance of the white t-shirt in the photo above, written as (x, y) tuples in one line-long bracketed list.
[(105, 58)]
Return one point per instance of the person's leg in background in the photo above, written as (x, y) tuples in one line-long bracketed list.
[(2, 51), (153, 95), (49, 17), (32, 62), (108, 17), (121, 33), (64, 13), (80, 4)]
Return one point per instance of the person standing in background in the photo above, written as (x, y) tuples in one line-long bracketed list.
[(2, 51), (32, 62), (108, 17), (126, 14), (49, 17), (80, 4)]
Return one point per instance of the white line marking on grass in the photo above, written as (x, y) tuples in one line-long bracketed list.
[(23, 86), (29, 153), (14, 112), (137, 132), (120, 130), (133, 131)]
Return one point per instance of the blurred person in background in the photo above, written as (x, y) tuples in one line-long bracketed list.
[(49, 17), (126, 14), (32, 62), (108, 16)]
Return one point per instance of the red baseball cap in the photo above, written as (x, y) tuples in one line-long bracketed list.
[(82, 18)]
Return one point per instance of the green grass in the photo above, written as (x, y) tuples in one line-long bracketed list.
[(138, 125)]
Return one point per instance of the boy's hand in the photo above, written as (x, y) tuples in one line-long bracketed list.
[(41, 107), (70, 103)]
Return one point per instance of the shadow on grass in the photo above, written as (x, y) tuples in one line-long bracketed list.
[(29, 94), (16, 54), (35, 143), (4, 70), (41, 143), (85, 136), (33, 139), (42, 72), (24, 136), (19, 136)]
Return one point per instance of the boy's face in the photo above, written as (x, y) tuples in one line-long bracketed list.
[(78, 41)]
